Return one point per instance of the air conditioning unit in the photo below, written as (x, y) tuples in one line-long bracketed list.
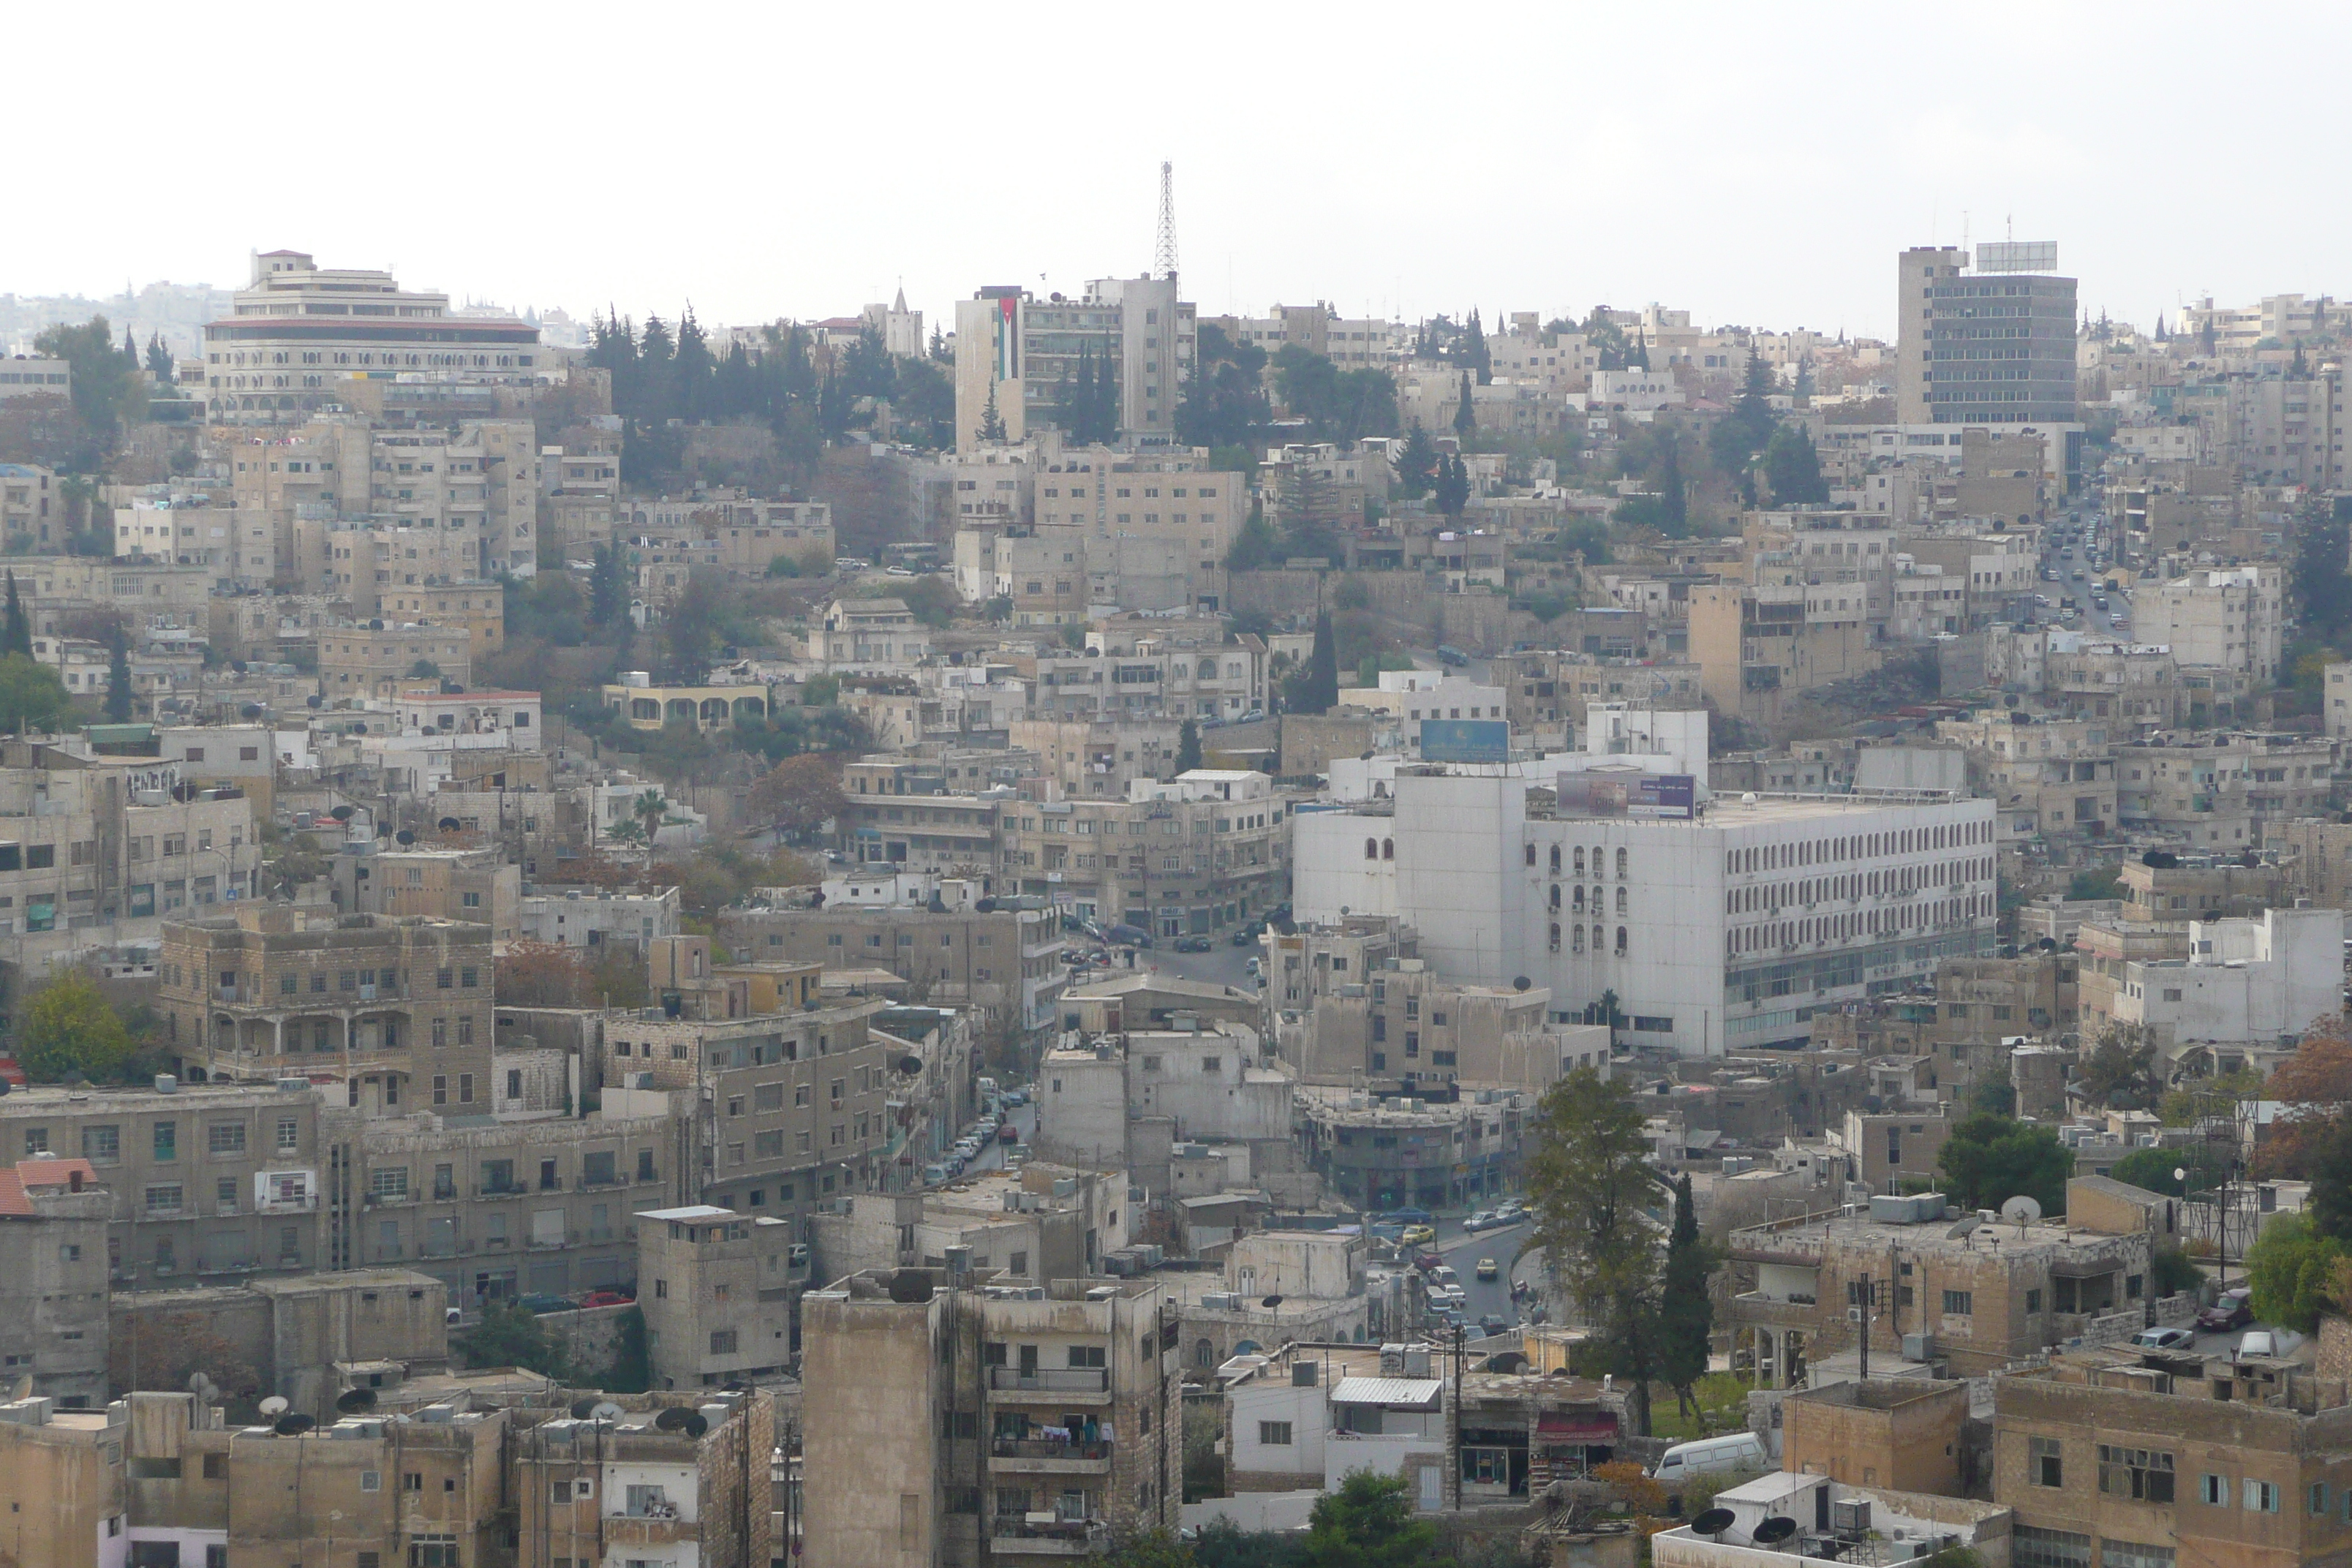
[(1851, 1518), (1853, 1314)]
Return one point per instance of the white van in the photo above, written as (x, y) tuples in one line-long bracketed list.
[(1732, 1451)]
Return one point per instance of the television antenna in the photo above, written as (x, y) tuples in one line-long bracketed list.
[(1163, 252)]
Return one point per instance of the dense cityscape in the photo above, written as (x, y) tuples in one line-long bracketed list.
[(1073, 927)]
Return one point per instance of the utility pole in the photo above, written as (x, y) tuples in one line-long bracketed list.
[(1460, 1335), (1864, 1311)]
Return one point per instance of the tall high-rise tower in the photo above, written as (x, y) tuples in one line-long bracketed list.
[(1988, 343)]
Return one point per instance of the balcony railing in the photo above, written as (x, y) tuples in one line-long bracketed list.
[(1072, 1537), (1054, 1380), (1048, 1449)]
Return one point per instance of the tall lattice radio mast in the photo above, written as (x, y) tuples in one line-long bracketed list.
[(1163, 253)]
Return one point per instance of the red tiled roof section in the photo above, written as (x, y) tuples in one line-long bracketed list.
[(28, 1175)]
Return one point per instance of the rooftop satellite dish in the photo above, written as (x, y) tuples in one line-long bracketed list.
[(673, 1419), (605, 1410), (342, 813), (293, 1425), (910, 1066), (1713, 1521), (354, 1400), (1772, 1530), (697, 1423), (448, 825), (2021, 1210), (583, 1409), (403, 836), (275, 1405), (1271, 1302)]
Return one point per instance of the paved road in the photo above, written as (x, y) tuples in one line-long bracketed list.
[(1463, 1252)]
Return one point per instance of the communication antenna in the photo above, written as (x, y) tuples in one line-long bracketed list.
[(1163, 253)]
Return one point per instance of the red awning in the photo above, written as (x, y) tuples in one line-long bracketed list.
[(1578, 1428)]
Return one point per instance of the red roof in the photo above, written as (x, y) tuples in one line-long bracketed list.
[(29, 1175)]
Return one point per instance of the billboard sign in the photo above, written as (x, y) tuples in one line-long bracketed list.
[(1465, 741), (1663, 794)]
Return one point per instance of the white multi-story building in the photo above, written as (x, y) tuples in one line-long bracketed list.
[(1020, 351), (2245, 982), (1407, 696), (577, 919), (2231, 619), (300, 334), (1724, 929)]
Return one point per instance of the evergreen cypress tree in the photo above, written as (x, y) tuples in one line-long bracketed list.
[(1322, 668), (1474, 353), (1465, 417), (159, 359), (1685, 1311), (16, 631), (130, 347), (1187, 747), (992, 422), (118, 680)]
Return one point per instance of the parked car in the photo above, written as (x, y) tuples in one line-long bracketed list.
[(1420, 1235), (1193, 944), (2258, 1342), (606, 1298), (1484, 1219), (538, 1302), (1128, 936), (1008, 1134), (1738, 1451), (1246, 936), (2234, 1310), (2163, 1338), (1488, 1269), (1016, 1097), (1494, 1323), (1412, 1216)]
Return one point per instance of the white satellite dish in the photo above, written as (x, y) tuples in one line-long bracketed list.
[(607, 1411), (274, 1404), (2022, 1210)]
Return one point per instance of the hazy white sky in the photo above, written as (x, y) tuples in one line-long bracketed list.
[(1755, 164)]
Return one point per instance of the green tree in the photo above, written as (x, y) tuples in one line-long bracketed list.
[(1254, 542), (1994, 1096), (1792, 468), (1187, 747), (2099, 882), (1416, 464), (1148, 1549), (158, 360), (1989, 1160), (425, 669), (16, 632), (608, 589), (1369, 1522), (2120, 1071), (992, 422), (32, 697), (1471, 350), (1322, 691), (118, 679), (1742, 433), (1224, 402), (106, 391), (1452, 494), (2152, 1169), (1466, 416), (69, 1033), (1589, 1188), (2291, 1267), (1685, 1306), (511, 1335)]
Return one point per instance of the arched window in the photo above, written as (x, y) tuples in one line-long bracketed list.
[(1372, 848), (1555, 936), (1620, 942), (1388, 848), (1555, 896), (1578, 900), (1580, 859), (1621, 900), (1531, 857), (1600, 938), (1621, 863), (1204, 1354), (1580, 940)]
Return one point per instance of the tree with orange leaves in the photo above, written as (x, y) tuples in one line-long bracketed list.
[(541, 974), (801, 795)]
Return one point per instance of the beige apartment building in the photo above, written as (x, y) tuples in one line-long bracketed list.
[(207, 1181), (2230, 618), (53, 1229), (717, 1290), (369, 660), (479, 886), (392, 1010), (952, 1420), (1006, 965)]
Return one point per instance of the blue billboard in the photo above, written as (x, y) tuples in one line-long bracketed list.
[(1465, 741), (1663, 794)]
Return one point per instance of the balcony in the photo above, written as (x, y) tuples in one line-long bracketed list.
[(1048, 1456), (1755, 1310), (1089, 1384), (1044, 1535)]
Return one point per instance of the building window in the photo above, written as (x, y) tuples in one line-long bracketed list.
[(2139, 1474), (722, 1341), (2031, 1546), (1959, 1303), (2045, 1462), (2261, 1497), (1274, 1434), (2134, 1554)]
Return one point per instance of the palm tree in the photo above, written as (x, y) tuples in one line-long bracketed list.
[(651, 807)]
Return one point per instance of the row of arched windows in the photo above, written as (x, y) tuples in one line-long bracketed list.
[(1599, 940), (1599, 860)]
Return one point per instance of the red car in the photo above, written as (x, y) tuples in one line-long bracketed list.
[(605, 1299), (2234, 1310)]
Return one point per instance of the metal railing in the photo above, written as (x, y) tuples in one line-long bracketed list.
[(1050, 1380)]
